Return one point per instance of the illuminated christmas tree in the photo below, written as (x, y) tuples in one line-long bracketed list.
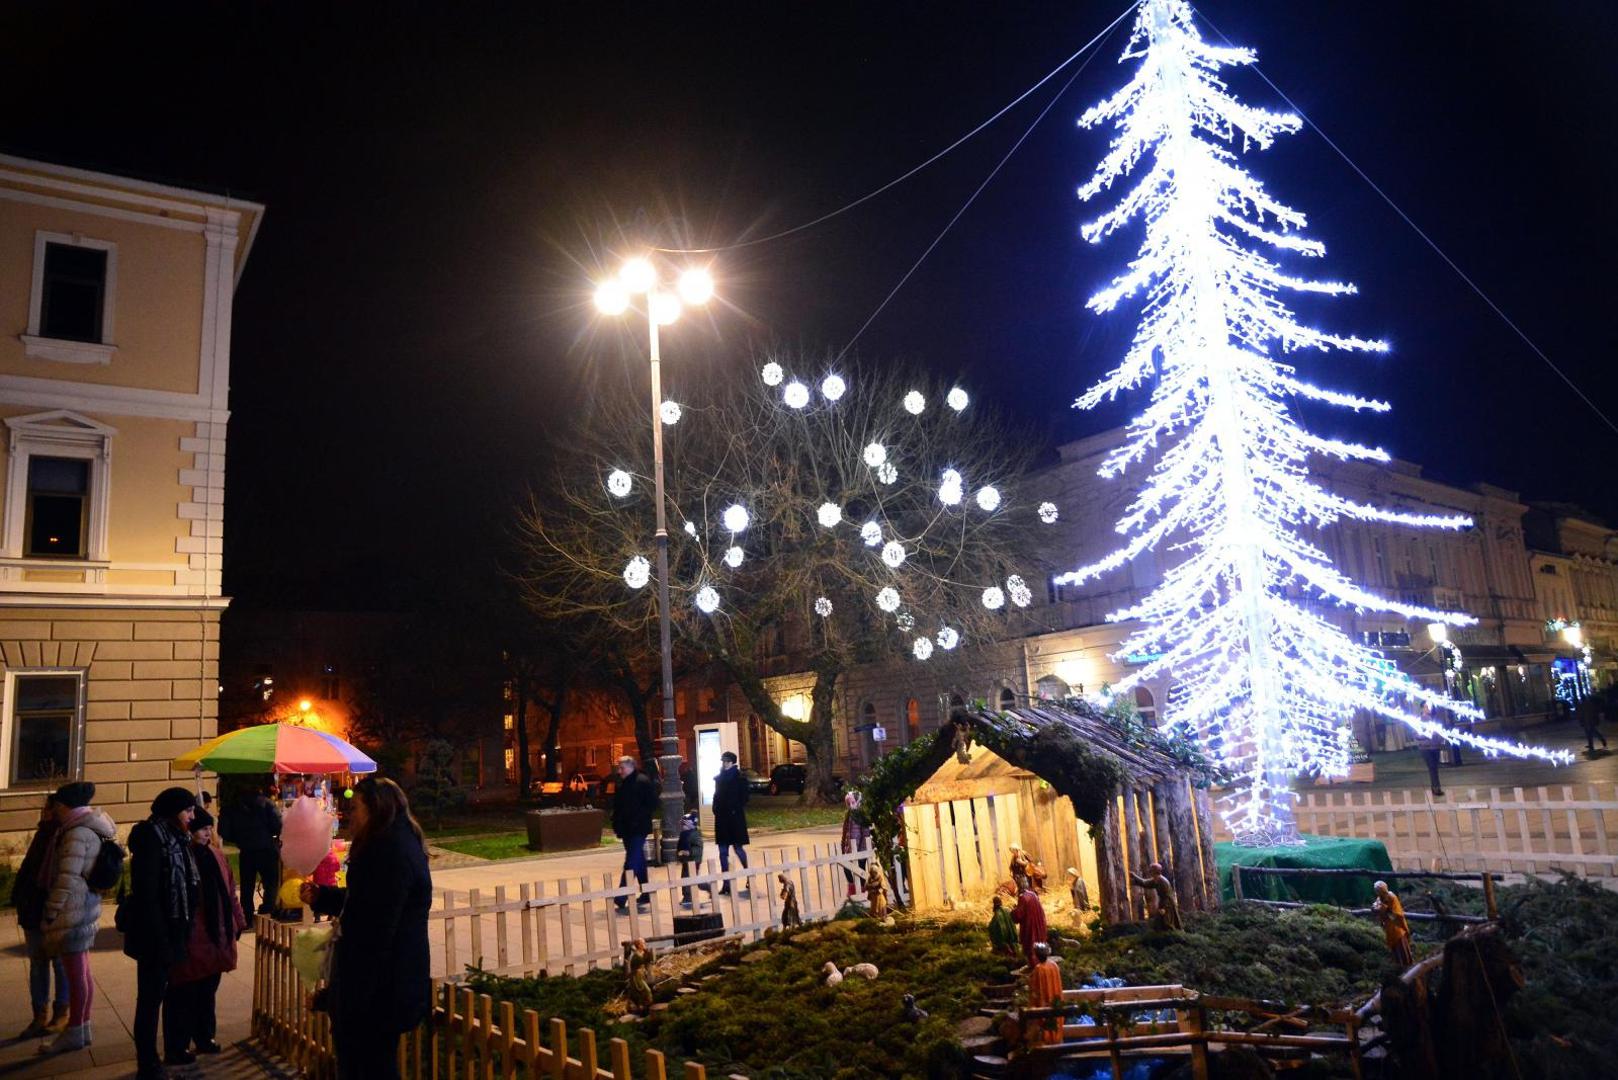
[(1267, 681)]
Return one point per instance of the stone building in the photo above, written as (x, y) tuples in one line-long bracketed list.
[(115, 315), (1574, 564)]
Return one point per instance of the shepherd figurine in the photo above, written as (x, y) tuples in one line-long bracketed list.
[(876, 890), (1395, 927), (637, 975), (789, 902)]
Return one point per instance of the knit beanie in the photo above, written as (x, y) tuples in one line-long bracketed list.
[(171, 801), (201, 820), (76, 794)]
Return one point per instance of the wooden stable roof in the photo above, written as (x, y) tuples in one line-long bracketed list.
[(1021, 726)]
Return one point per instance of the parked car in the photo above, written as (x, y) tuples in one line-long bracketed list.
[(758, 785), (791, 777)]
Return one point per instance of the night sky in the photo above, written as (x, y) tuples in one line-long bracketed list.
[(443, 181)]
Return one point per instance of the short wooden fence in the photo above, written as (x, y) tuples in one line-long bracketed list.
[(1543, 830)]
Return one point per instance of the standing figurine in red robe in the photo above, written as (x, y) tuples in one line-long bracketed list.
[(1029, 915)]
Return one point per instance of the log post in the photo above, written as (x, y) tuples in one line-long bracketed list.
[(1110, 868), (1132, 852), (1210, 870), (1175, 799)]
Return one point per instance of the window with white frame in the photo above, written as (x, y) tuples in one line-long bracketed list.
[(70, 312), (43, 728), (57, 487)]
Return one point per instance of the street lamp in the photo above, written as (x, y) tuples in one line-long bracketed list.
[(639, 277)]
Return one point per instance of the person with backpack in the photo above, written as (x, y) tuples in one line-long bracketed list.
[(28, 896), (155, 917), (74, 871), (189, 1015)]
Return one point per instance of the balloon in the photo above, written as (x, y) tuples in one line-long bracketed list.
[(289, 893), (305, 836), (348, 793)]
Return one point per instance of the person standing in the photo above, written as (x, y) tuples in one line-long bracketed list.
[(156, 915), (730, 814), (1589, 713), (188, 1007), (72, 911), (856, 835), (1432, 745), (633, 805), (253, 824), (1029, 915), (28, 896), (689, 850), (381, 976)]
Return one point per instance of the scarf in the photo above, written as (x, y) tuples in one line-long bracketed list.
[(182, 871), (47, 865)]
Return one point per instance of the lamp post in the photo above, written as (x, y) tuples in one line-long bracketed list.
[(639, 277)]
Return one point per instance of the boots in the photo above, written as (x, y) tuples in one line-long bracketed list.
[(58, 1019), (38, 1029)]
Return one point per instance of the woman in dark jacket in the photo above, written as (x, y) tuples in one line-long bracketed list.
[(156, 915), (730, 794), (381, 976), (188, 1007)]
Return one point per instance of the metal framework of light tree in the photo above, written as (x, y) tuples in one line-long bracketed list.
[(1266, 680)]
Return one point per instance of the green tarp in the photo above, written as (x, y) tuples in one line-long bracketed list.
[(1345, 890)]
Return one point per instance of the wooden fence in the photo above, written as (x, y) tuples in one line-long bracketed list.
[(1543, 830)]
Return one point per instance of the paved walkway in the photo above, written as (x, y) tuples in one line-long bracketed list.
[(1399, 769)]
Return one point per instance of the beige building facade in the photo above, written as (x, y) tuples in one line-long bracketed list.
[(115, 316)]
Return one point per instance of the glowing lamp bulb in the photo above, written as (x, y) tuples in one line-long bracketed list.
[(993, 598), (736, 518), (888, 599), (871, 533), (893, 553), (829, 514), (707, 599), (1437, 633), (696, 287), (612, 298), (670, 411), (638, 572), (796, 395), (665, 308), (833, 387), (989, 498), (923, 648), (956, 399), (637, 275), (914, 403), (772, 374), (620, 483)]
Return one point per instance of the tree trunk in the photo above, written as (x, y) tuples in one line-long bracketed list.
[(815, 733), (819, 788), (525, 768), (553, 745)]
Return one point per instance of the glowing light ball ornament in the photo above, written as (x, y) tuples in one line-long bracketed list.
[(888, 599), (949, 489), (871, 533), (993, 598), (893, 553), (1259, 674), (829, 514), (914, 403), (822, 607), (923, 648), (796, 395), (620, 483), (875, 454), (948, 638), (1048, 513), (637, 572), (734, 556), (989, 498), (887, 472), (772, 374), (956, 399), (670, 411), (1018, 590), (905, 621), (707, 599), (833, 387), (736, 518)]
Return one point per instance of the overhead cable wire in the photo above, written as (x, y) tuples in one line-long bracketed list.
[(1018, 100), (1430, 242), (973, 197)]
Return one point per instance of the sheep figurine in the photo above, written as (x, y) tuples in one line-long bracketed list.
[(833, 976), (864, 971)]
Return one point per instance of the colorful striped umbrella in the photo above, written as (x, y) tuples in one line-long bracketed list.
[(284, 748)]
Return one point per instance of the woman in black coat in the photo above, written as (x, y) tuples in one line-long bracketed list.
[(730, 814), (381, 976), (155, 917)]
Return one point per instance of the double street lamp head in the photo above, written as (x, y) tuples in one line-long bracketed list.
[(639, 277)]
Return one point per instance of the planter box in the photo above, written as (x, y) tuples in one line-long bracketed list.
[(564, 830)]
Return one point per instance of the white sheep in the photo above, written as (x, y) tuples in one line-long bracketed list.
[(833, 976), (866, 971)]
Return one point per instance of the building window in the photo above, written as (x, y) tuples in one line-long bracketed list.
[(1146, 706), (43, 728), (56, 487), (912, 721), (57, 516), (590, 756), (71, 305), (1008, 698), (509, 722), (511, 764)]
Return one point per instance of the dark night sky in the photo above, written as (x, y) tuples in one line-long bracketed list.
[(443, 180)]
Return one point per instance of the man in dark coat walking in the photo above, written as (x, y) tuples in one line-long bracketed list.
[(254, 825), (730, 814), (633, 806)]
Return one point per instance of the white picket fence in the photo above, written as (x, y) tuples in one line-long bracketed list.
[(1542, 830), (571, 926)]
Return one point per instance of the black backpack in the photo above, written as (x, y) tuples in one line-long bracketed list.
[(108, 868)]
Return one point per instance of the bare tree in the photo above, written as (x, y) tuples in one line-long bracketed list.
[(872, 530)]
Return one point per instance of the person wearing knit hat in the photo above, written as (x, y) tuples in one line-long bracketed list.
[(76, 794), (190, 1004), (157, 916)]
